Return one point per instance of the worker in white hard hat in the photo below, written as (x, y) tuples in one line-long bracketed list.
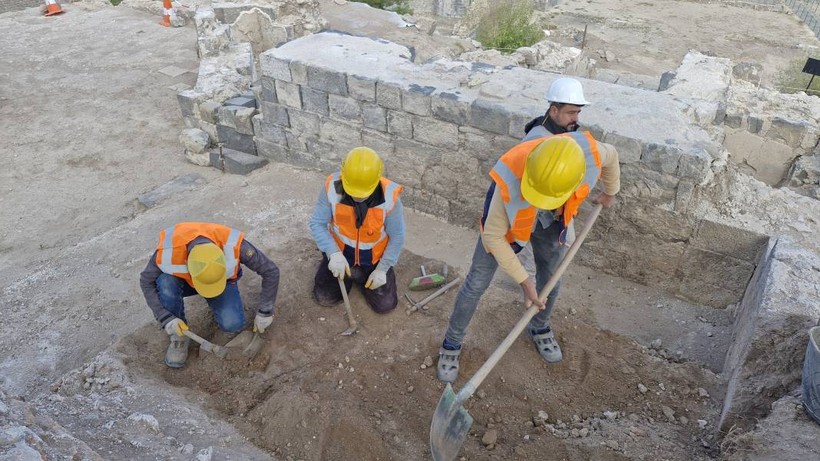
[(197, 258), (358, 225), (566, 99)]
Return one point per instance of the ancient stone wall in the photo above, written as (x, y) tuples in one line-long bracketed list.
[(440, 127)]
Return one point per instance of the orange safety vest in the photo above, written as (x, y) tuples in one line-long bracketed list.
[(172, 249), (368, 242), (509, 170)]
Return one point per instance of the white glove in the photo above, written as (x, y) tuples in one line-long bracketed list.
[(338, 265), (175, 327), (377, 279), (261, 322)]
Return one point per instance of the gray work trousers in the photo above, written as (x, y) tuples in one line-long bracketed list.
[(547, 252)]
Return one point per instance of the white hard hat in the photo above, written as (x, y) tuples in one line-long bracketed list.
[(566, 90)]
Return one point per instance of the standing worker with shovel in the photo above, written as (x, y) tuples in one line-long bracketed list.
[(204, 258), (358, 224), (553, 174)]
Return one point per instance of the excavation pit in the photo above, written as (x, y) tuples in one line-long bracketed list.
[(313, 394)]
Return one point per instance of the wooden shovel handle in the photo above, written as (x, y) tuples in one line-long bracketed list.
[(350, 320), (491, 362)]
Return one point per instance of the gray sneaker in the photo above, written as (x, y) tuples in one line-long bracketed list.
[(447, 369), (177, 352), (547, 346)]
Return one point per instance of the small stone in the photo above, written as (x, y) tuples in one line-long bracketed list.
[(584, 432), (610, 415), (613, 444), (669, 413), (661, 386), (702, 392), (575, 433), (527, 437), (684, 420), (702, 423), (709, 334), (529, 423), (642, 389), (490, 437), (656, 344), (428, 362), (573, 311), (481, 394), (410, 389), (188, 449), (205, 454)]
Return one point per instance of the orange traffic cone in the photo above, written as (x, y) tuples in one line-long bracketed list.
[(169, 12), (52, 8)]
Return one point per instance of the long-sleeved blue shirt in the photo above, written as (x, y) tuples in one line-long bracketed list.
[(393, 226)]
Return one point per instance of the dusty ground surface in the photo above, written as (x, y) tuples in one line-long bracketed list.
[(651, 37), (89, 122)]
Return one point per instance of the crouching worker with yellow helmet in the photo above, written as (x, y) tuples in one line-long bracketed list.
[(358, 224), (554, 174), (204, 258)]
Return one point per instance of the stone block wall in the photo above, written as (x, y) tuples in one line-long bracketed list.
[(17, 5), (770, 333), (441, 126)]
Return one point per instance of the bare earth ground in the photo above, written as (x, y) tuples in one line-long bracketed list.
[(651, 37), (88, 122)]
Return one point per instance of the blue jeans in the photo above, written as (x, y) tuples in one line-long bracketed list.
[(228, 309), (547, 252)]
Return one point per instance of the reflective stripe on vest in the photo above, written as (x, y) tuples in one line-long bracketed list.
[(230, 240), (509, 170), (343, 221)]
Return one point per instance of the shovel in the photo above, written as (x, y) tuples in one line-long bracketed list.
[(354, 327), (208, 346), (451, 421), (250, 343)]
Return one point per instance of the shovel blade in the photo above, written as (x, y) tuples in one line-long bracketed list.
[(240, 341), (350, 331), (450, 426), (254, 347)]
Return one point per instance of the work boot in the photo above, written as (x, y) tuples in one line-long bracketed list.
[(546, 344), (447, 368), (177, 352)]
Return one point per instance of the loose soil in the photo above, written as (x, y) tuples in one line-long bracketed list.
[(313, 394)]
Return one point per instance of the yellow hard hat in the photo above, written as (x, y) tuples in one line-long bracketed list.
[(361, 171), (554, 170), (206, 264)]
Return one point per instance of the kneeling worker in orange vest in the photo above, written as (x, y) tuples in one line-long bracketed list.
[(552, 174), (204, 258), (358, 223)]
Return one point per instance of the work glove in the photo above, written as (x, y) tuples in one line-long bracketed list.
[(377, 279), (338, 265), (176, 327), (261, 322)]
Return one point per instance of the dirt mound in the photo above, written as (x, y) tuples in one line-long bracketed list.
[(313, 394)]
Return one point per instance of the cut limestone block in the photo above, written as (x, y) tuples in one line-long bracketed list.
[(232, 139), (241, 163)]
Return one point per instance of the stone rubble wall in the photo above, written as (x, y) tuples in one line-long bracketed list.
[(441, 126), (764, 131), (219, 111)]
